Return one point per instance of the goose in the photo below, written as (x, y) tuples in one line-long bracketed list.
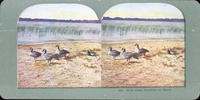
[(128, 55), (113, 53), (139, 50), (62, 52), (91, 53), (34, 54), (171, 52), (49, 56)]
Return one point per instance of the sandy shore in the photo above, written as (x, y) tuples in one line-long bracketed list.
[(78, 70), (157, 68)]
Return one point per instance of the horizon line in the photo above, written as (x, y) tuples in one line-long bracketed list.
[(146, 19), (104, 18), (57, 20)]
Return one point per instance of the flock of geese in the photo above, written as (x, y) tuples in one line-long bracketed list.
[(128, 55), (59, 53), (49, 56), (114, 53)]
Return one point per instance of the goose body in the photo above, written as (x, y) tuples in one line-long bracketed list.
[(171, 52), (113, 53), (141, 51), (62, 52), (128, 55), (91, 53), (49, 56), (34, 54)]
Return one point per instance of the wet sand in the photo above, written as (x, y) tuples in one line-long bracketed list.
[(157, 68)]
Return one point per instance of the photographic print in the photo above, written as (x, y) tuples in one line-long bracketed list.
[(59, 46), (143, 46)]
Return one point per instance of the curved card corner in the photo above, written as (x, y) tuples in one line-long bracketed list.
[(1, 1)]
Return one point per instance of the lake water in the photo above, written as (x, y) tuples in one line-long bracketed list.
[(107, 30), (40, 32), (118, 30)]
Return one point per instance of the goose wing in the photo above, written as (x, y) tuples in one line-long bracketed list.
[(127, 55), (172, 52), (143, 50), (55, 56), (48, 56), (35, 54), (91, 53), (115, 52), (63, 52), (135, 55)]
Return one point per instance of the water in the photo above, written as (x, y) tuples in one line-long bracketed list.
[(107, 30), (40, 32), (118, 30)]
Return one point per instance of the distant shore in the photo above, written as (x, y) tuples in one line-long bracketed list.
[(86, 41), (145, 19), (99, 21)]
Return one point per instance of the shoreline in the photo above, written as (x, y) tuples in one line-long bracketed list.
[(103, 42)]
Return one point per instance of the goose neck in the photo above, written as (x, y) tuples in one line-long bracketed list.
[(123, 51), (31, 49), (45, 51), (58, 48), (138, 47), (110, 49)]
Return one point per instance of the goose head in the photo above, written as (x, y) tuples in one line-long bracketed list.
[(123, 50), (88, 51), (137, 45), (110, 48), (31, 49), (44, 51), (58, 47)]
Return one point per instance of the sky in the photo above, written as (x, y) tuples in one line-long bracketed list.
[(59, 12), (144, 10), (82, 12)]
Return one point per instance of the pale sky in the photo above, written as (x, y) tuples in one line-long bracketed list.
[(144, 10), (59, 11)]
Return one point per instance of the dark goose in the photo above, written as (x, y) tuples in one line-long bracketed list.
[(62, 53), (113, 53), (34, 54), (171, 52), (49, 56), (128, 55), (141, 51), (91, 53)]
